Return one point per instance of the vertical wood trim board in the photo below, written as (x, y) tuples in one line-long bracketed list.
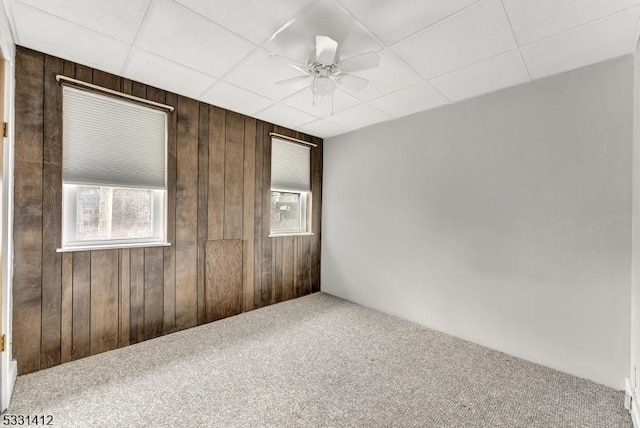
[(187, 214), (104, 301), (203, 194), (221, 261), (248, 230), (27, 226), (51, 217)]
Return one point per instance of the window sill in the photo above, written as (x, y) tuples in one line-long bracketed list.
[(284, 235), (113, 247)]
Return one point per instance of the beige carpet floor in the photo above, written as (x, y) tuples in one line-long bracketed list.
[(317, 361)]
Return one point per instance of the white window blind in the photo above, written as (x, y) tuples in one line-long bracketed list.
[(290, 166), (107, 141)]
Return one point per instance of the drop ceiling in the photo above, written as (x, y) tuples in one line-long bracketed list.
[(230, 53)]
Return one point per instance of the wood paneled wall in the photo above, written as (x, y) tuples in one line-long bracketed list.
[(71, 305)]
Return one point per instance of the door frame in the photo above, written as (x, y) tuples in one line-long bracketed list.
[(8, 366)]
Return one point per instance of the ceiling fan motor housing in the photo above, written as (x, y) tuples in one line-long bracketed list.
[(318, 69)]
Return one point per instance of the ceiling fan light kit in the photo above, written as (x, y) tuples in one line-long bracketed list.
[(323, 86)]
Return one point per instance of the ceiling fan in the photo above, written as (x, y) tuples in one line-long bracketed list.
[(326, 70)]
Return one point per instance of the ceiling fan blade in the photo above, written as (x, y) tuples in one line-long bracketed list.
[(292, 80), (361, 62), (352, 82), (299, 68), (326, 49)]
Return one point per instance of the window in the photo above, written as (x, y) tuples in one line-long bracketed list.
[(114, 172), (290, 187)]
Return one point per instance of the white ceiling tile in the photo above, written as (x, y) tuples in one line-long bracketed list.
[(234, 98), (259, 72), (266, 16), (464, 47), (151, 69), (353, 127), (533, 20), (297, 40), (116, 18), (476, 33), (284, 115), (47, 33), (322, 128), (175, 32), (395, 20), (486, 76), (358, 117), (392, 74), (320, 107), (410, 100), (600, 40)]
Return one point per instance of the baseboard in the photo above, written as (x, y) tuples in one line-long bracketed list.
[(631, 403)]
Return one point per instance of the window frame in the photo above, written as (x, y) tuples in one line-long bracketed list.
[(306, 197), (304, 214), (69, 223), (160, 200)]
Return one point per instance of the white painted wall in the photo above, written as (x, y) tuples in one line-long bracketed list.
[(504, 220)]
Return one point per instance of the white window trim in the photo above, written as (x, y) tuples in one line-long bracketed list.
[(160, 214), (69, 202), (112, 247), (305, 216), (289, 180)]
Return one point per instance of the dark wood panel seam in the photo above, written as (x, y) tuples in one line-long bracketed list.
[(42, 217), (224, 176)]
